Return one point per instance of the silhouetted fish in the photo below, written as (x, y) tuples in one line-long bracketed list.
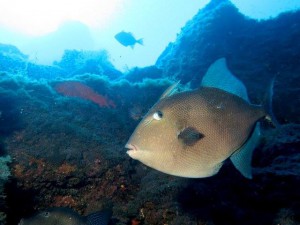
[(127, 39), (66, 216), (192, 133)]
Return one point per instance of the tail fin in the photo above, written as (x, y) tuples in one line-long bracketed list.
[(267, 103), (140, 41)]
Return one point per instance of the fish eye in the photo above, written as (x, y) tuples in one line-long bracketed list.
[(158, 115)]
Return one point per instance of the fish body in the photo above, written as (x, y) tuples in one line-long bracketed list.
[(80, 90), (127, 39), (191, 134), (66, 216)]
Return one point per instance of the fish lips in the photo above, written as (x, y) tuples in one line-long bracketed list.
[(132, 149)]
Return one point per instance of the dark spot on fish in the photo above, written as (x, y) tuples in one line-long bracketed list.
[(189, 136)]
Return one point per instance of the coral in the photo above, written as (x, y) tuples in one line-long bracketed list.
[(4, 176), (80, 62), (135, 222), (12, 60), (40, 72), (73, 62), (66, 169), (139, 74), (18, 170), (9, 113), (279, 151), (64, 201), (70, 153), (12, 51), (38, 165), (4, 170)]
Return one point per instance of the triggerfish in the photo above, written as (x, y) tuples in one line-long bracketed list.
[(66, 216), (127, 39), (191, 134)]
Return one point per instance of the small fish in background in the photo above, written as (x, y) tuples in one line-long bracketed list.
[(191, 134), (80, 90), (127, 39), (66, 216)]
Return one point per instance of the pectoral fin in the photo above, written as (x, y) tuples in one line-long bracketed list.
[(242, 158)]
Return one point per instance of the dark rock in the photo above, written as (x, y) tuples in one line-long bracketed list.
[(279, 153), (10, 113), (139, 74)]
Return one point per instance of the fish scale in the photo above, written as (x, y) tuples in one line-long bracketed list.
[(191, 134)]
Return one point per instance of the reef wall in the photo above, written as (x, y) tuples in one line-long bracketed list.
[(256, 52)]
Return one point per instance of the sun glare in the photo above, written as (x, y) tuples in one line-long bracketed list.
[(38, 17)]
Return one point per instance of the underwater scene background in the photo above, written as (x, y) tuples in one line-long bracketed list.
[(63, 128)]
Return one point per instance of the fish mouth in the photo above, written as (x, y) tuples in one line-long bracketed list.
[(131, 149)]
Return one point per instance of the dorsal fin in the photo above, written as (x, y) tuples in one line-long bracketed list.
[(218, 76), (170, 90)]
